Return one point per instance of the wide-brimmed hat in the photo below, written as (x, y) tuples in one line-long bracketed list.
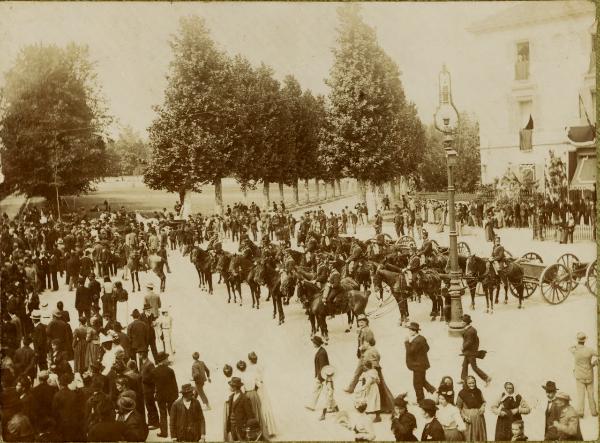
[(563, 396), (327, 371), (186, 388), (150, 285), (581, 336), (236, 382), (317, 340), (161, 356), (126, 403), (36, 314), (414, 326), (467, 318), (550, 386), (106, 339), (147, 306)]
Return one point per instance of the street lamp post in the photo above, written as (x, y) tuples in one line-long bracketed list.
[(446, 121)]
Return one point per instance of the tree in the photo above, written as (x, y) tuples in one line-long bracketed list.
[(467, 172), (52, 123), (191, 137), (364, 133), (128, 155)]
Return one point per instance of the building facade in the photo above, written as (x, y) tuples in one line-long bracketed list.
[(538, 68)]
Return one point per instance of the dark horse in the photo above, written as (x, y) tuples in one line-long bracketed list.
[(307, 291), (511, 274), (399, 288), (241, 270), (223, 262), (203, 263), (265, 274), (477, 272)]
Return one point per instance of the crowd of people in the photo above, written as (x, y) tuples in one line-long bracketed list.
[(109, 378)]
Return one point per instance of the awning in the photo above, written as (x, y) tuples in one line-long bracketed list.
[(585, 174), (582, 136)]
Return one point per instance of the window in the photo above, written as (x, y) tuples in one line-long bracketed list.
[(522, 63)]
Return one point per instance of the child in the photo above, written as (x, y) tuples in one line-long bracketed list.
[(446, 389), (518, 431), (328, 390)]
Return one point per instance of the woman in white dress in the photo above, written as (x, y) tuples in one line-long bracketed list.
[(249, 380), (449, 417), (267, 412), (367, 391)]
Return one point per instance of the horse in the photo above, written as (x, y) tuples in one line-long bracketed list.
[(240, 268), (265, 274), (400, 290), (307, 291), (511, 274), (355, 303), (203, 262), (477, 271), (223, 262)]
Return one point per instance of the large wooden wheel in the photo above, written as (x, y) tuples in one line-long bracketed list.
[(590, 278), (463, 249), (406, 241), (533, 257), (572, 263), (555, 283)]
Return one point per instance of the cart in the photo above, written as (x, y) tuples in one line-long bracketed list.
[(463, 248), (579, 271)]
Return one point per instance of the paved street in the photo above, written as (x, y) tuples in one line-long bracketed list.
[(516, 341)]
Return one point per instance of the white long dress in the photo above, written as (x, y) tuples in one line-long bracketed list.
[(266, 411)]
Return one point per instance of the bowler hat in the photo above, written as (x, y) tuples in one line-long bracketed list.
[(550, 386), (581, 336), (467, 318), (414, 326), (147, 306), (186, 388), (150, 285), (126, 403), (161, 356), (235, 382), (317, 340), (428, 405)]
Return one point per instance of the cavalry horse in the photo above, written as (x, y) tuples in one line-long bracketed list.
[(511, 274), (203, 262), (223, 262), (399, 287), (241, 270), (265, 274), (307, 291), (477, 271)]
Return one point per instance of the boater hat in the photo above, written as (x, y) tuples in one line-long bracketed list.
[(317, 340)]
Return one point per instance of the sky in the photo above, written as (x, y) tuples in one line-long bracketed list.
[(129, 43)]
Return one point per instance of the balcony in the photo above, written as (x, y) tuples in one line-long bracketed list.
[(522, 70)]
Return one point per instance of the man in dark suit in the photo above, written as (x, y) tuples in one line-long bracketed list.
[(321, 360), (148, 387), (135, 425), (552, 412), (417, 360), (43, 394), (187, 419), (148, 317), (25, 360), (470, 351), (83, 299), (238, 411), (166, 390), (58, 329), (138, 334)]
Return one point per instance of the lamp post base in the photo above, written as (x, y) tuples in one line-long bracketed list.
[(456, 325)]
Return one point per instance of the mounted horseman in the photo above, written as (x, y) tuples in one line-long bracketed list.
[(498, 261), (427, 249)]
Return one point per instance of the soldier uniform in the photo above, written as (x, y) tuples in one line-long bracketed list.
[(498, 256)]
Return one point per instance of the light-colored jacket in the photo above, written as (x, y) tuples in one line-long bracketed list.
[(584, 362)]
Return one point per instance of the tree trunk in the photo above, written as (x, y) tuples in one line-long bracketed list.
[(281, 192), (317, 189), (362, 190), (266, 198), (245, 194), (374, 193), (296, 197), (325, 188), (393, 188), (339, 186), (219, 196), (333, 188), (306, 190)]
